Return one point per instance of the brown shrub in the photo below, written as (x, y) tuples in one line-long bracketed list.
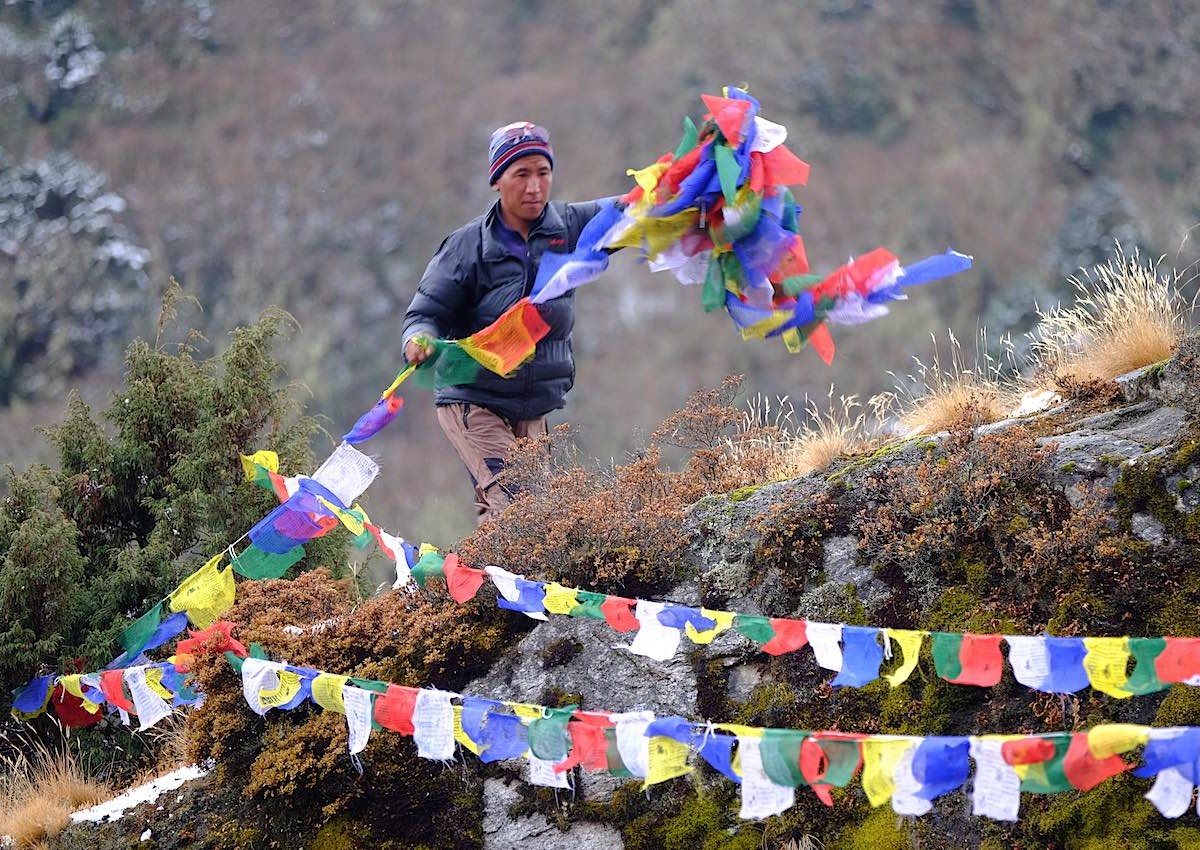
[(618, 528), (298, 759)]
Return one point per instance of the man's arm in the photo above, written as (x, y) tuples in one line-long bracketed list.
[(440, 300)]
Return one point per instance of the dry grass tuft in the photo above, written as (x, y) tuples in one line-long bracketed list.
[(39, 788), (770, 442), (1126, 316), (938, 397)]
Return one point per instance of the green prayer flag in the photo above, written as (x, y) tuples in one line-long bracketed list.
[(713, 295), (728, 171), (257, 563), (689, 138), (1049, 777), (135, 636), (758, 629), (780, 751), (370, 685), (947, 651), (548, 737), (844, 759), (235, 661), (257, 651), (798, 283), (589, 605), (455, 367), (1144, 679), (616, 765), (431, 564), (262, 477)]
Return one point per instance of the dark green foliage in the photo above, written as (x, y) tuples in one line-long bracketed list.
[(141, 497)]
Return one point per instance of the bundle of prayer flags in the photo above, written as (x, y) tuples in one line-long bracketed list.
[(719, 212)]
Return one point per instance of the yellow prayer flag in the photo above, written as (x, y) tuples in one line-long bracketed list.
[(649, 176), (760, 329), (72, 685), (1113, 738), (739, 730), (724, 620), (352, 523), (1106, 662), (206, 594), (327, 692), (425, 548), (791, 340), (559, 599), (460, 734), (154, 677), (264, 457), (668, 759), (289, 686), (655, 235), (910, 642), (880, 757), (525, 711)]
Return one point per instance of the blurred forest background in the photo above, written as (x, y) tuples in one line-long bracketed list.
[(311, 154)]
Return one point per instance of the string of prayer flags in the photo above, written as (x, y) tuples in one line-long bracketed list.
[(908, 771), (855, 653)]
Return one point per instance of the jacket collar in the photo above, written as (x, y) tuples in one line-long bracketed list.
[(549, 225)]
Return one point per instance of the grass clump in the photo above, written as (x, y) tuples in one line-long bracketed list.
[(940, 395), (771, 445), (40, 785), (1126, 315)]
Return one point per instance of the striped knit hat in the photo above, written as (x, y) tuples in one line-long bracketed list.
[(513, 141)]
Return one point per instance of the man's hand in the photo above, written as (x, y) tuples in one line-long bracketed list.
[(417, 350)]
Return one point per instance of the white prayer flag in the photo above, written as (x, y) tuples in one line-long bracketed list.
[(653, 640)]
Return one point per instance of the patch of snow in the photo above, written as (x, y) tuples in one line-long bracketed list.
[(145, 836), (113, 809), (1036, 401)]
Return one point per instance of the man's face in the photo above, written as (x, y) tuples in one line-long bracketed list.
[(524, 187)]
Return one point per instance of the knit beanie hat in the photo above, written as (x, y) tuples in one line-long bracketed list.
[(513, 141)]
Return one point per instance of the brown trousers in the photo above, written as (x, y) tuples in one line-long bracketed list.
[(483, 440)]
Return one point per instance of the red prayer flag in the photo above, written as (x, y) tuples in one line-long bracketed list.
[(729, 114), (784, 168), (1084, 770), (758, 173), (1027, 750), (1179, 660), (375, 532), (394, 709), (822, 343), (278, 485), (112, 683), (589, 743), (216, 638), (462, 582), (982, 663), (867, 266), (70, 710), (668, 184), (618, 613), (789, 636), (794, 262)]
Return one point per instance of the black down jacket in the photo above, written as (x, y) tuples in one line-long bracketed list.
[(472, 279)]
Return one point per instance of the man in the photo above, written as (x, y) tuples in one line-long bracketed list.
[(482, 269)]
